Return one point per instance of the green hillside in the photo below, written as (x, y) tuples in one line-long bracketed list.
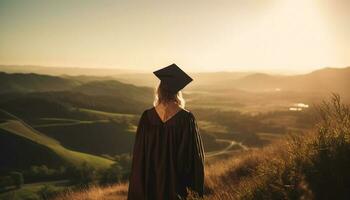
[(83, 130), (93, 137), (130, 118), (21, 143)]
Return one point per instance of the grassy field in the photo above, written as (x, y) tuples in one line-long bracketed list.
[(130, 119), (270, 137), (95, 137), (19, 129)]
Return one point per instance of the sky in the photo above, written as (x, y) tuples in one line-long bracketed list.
[(198, 35)]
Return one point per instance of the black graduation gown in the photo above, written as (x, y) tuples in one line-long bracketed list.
[(167, 157)]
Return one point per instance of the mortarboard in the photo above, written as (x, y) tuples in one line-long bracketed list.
[(173, 77)]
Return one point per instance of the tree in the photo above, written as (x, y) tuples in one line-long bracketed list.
[(83, 174)]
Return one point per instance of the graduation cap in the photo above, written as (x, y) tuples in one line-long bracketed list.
[(173, 77)]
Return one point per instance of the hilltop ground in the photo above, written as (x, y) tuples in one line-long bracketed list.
[(313, 166)]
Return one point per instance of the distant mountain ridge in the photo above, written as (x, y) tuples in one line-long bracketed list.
[(324, 80), (19, 82), (59, 71)]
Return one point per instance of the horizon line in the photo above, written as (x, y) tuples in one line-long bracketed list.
[(269, 71)]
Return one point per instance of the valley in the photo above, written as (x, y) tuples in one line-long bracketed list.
[(67, 124)]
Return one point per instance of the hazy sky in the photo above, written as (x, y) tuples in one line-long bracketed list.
[(199, 35)]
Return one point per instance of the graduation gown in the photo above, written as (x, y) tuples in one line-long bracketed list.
[(167, 157)]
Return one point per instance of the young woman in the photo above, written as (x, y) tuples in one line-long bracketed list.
[(168, 156)]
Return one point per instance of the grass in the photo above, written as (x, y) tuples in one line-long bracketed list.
[(212, 127), (115, 192), (115, 116), (30, 191), (130, 119), (25, 131), (311, 166), (271, 137), (95, 138), (49, 122)]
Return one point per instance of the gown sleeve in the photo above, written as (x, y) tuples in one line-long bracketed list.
[(136, 189), (194, 158)]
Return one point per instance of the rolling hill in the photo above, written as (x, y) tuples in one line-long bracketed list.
[(75, 92), (22, 146), (33, 83), (83, 130), (116, 89), (93, 137), (67, 114)]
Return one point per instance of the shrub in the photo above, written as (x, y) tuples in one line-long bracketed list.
[(48, 192), (6, 181), (43, 173), (111, 175), (327, 167), (311, 166), (17, 179), (83, 174)]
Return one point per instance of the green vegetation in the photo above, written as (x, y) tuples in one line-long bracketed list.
[(48, 192), (12, 179), (95, 137), (17, 178), (16, 130), (119, 117), (35, 191), (86, 175), (43, 173)]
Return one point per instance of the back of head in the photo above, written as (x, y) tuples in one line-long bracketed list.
[(163, 95)]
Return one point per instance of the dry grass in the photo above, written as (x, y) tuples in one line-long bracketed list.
[(313, 166), (231, 178), (221, 176), (115, 192)]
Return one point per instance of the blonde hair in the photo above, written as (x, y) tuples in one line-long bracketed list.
[(164, 95)]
